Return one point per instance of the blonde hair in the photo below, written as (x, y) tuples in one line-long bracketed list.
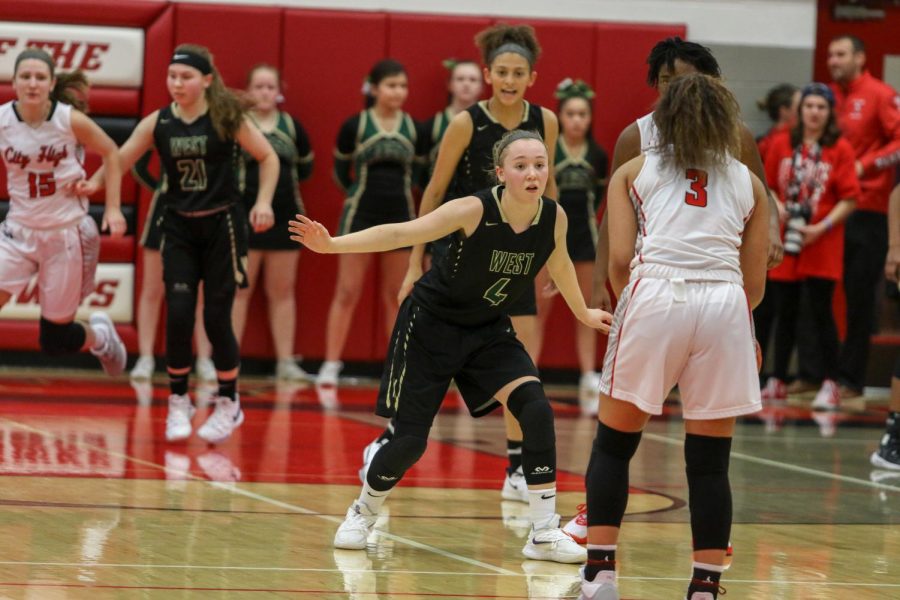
[(225, 108), (699, 121)]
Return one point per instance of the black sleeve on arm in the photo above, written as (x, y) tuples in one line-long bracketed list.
[(304, 151), (343, 152)]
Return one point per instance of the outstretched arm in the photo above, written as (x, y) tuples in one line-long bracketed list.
[(463, 214)]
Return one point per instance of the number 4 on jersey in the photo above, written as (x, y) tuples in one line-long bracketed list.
[(696, 196), (494, 294)]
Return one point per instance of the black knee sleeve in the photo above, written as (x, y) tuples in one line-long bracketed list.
[(181, 300), (706, 460), (57, 338), (530, 406), (217, 320), (396, 457), (607, 475)]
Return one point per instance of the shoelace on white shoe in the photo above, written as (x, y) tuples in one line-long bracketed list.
[(222, 418), (356, 521), (552, 536)]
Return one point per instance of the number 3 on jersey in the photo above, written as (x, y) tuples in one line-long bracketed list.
[(696, 196)]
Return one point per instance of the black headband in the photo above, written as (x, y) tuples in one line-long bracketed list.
[(191, 59)]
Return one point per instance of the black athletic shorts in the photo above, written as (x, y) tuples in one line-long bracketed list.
[(426, 352), (581, 239), (212, 248)]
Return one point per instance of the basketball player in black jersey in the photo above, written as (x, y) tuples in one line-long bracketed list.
[(464, 164), (204, 229), (454, 326)]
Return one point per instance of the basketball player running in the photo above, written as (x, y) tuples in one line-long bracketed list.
[(688, 238), (463, 167), (47, 231), (204, 225), (454, 326)]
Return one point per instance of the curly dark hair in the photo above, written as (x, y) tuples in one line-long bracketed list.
[(666, 52), (699, 121), (488, 40)]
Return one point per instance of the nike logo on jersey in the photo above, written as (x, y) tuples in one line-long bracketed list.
[(487, 224), (483, 127), (164, 120)]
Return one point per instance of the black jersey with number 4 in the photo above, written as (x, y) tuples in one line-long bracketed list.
[(198, 167), (480, 275)]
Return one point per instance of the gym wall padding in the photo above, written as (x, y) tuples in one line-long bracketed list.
[(324, 56)]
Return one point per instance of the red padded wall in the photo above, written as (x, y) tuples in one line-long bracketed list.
[(427, 78), (325, 61), (238, 36), (880, 37)]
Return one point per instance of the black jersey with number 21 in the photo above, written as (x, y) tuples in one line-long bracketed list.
[(198, 167), (480, 275)]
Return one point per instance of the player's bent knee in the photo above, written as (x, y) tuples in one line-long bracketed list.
[(620, 445), (397, 456), (529, 405), (61, 338)]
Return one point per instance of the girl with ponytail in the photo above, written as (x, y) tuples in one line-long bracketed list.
[(204, 225)]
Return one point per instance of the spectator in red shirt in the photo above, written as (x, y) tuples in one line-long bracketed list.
[(868, 112), (781, 103), (811, 169)]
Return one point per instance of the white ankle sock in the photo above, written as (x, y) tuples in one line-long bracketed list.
[(372, 499), (542, 506)]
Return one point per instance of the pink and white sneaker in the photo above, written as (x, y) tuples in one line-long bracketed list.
[(577, 527), (828, 397), (774, 391)]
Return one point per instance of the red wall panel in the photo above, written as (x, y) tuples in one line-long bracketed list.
[(97, 12), (427, 78), (238, 36), (880, 37), (325, 62)]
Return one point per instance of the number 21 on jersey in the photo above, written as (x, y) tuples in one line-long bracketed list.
[(696, 195)]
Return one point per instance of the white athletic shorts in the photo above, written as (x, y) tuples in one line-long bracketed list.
[(64, 259), (696, 334)]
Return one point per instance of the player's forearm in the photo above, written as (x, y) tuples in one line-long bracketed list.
[(566, 282), (431, 199), (601, 261), (268, 179), (111, 173)]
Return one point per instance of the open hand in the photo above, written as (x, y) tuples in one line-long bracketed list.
[(409, 280), (311, 234)]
